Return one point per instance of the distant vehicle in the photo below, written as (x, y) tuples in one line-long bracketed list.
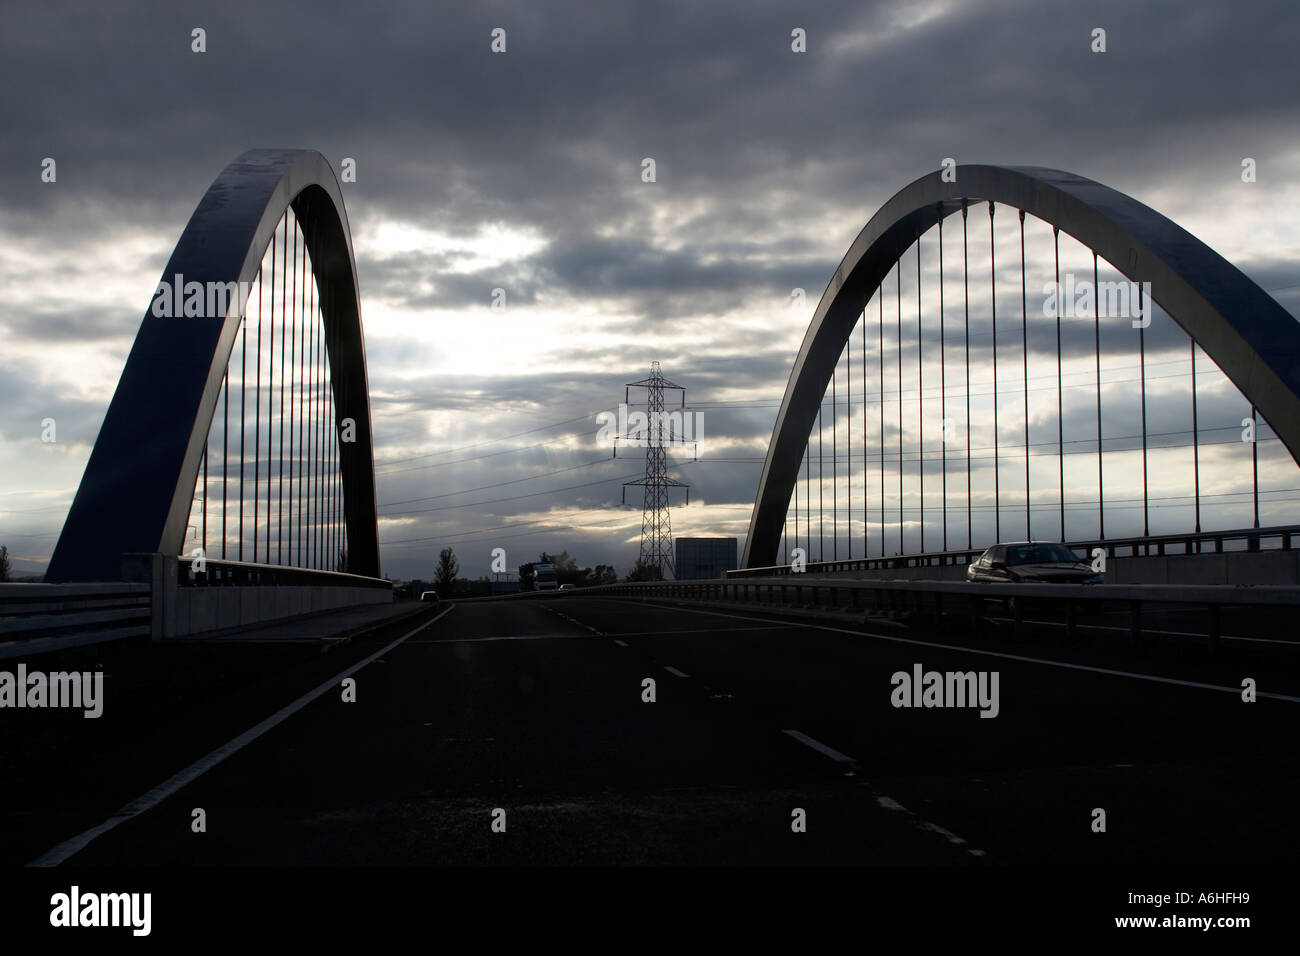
[(567, 587), (1032, 562), (544, 578), (430, 596)]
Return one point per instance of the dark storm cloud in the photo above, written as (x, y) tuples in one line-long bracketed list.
[(648, 280), (550, 134), (768, 164), (112, 328)]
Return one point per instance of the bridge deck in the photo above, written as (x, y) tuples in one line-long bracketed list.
[(536, 707)]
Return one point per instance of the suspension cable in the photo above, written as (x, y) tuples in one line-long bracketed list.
[(943, 386), (965, 278), (993, 293), (1024, 369), (920, 392), (1142, 357), (1196, 442), (1060, 419)]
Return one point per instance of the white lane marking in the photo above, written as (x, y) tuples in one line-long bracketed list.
[(834, 754), (698, 630), (158, 794), (702, 630), (620, 643), (922, 824), (572, 620), (1257, 640), (820, 747), (675, 672), (506, 637), (999, 654), (1146, 630), (888, 803)]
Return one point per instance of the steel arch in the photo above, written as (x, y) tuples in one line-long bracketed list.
[(137, 489), (1246, 332)]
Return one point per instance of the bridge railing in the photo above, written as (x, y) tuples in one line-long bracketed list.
[(246, 574), (967, 599), (37, 618), (1280, 537)]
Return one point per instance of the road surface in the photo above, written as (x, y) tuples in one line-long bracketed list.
[(520, 732)]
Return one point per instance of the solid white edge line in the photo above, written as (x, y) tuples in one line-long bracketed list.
[(675, 672), (999, 654), (507, 637), (1145, 630), (820, 747), (158, 794), (700, 630)]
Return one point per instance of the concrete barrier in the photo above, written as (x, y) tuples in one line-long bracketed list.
[(179, 611), (1230, 567), (196, 610)]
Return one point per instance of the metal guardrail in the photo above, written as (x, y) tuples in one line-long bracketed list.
[(1286, 537), (37, 618), (965, 598)]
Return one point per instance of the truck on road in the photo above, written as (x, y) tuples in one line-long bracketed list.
[(544, 577)]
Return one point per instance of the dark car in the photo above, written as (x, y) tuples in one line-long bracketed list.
[(431, 596), (1032, 562)]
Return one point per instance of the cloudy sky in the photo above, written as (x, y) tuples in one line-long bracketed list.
[(522, 170)]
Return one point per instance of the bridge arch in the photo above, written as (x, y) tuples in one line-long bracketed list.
[(137, 489), (1253, 340)]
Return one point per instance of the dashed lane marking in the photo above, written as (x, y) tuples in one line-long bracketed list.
[(885, 802), (572, 620), (893, 805)]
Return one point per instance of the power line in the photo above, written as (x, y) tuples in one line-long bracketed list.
[(528, 534), (932, 454), (493, 501), (461, 461), (457, 534), (499, 484), (494, 441)]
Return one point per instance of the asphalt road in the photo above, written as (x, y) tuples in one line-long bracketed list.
[(536, 708)]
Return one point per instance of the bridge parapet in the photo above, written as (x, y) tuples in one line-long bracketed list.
[(1247, 556), (232, 594), (969, 602), (36, 618)]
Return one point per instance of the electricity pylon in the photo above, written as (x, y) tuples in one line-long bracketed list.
[(656, 525)]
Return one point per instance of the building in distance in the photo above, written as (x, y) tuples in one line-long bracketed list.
[(702, 558)]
